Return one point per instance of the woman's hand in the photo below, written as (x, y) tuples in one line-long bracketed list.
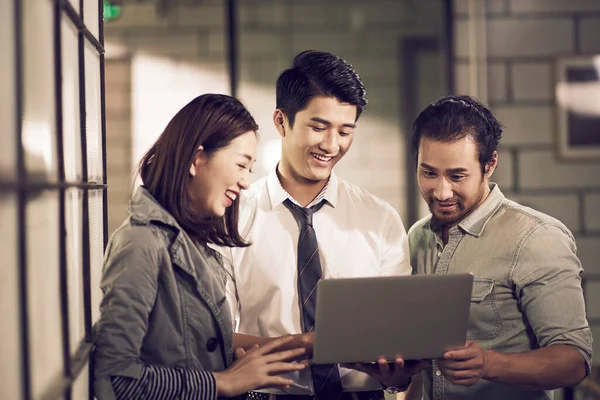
[(259, 367)]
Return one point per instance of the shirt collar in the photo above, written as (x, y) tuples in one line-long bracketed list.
[(278, 195), (475, 223)]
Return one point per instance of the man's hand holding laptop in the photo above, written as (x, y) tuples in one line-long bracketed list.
[(391, 374)]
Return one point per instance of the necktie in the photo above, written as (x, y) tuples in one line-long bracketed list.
[(326, 378)]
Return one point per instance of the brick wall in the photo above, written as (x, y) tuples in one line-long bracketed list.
[(524, 39)]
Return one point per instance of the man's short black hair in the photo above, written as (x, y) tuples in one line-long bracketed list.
[(316, 73), (452, 118)]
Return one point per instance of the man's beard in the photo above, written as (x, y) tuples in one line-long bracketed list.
[(437, 222)]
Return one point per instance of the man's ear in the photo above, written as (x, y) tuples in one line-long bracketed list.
[(280, 120), (198, 161), (490, 167)]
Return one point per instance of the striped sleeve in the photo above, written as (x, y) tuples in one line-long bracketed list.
[(160, 383)]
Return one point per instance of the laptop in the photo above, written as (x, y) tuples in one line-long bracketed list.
[(416, 317)]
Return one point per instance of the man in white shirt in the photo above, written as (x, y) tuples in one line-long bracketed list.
[(319, 100)]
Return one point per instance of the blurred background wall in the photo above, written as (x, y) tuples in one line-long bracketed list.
[(159, 59)]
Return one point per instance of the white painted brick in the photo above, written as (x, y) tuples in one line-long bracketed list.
[(169, 44), (339, 43), (588, 251), (118, 129), (592, 211), (460, 7), (385, 150), (254, 43), (503, 175), (120, 182), (118, 158), (535, 37), (271, 13), (137, 15), (373, 177), (564, 207), (589, 34), (384, 102), (388, 39), (532, 81), (117, 212), (497, 82), (118, 99), (461, 78), (540, 169), (217, 44), (553, 6), (117, 72), (461, 39), (376, 70), (592, 299), (311, 14), (385, 12), (202, 15), (525, 124), (259, 70)]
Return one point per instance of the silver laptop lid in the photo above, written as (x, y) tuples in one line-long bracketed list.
[(416, 317)]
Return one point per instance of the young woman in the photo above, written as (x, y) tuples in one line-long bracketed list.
[(165, 328)]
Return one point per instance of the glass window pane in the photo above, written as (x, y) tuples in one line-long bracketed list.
[(90, 16), (96, 249), (10, 334), (43, 291), (70, 106), (93, 125), (39, 103), (82, 384), (74, 231), (7, 94)]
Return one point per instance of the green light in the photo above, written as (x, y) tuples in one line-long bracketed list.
[(111, 11)]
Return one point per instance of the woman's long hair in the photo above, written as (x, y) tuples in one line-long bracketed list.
[(211, 121)]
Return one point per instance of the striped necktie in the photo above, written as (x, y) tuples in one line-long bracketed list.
[(326, 377)]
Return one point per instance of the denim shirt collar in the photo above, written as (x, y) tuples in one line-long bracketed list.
[(475, 223)]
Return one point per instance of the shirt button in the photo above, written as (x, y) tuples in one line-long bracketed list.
[(439, 253), (438, 373), (211, 344)]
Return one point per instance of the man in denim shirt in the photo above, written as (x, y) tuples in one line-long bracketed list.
[(527, 332)]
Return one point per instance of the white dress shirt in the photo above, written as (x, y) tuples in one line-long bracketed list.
[(359, 235)]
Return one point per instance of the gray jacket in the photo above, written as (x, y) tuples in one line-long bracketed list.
[(164, 301)]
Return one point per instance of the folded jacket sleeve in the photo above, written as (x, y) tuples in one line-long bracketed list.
[(158, 383)]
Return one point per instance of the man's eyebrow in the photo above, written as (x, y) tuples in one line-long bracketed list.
[(325, 122), (458, 170)]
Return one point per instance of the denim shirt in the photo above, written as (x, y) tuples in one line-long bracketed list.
[(164, 300), (527, 290)]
